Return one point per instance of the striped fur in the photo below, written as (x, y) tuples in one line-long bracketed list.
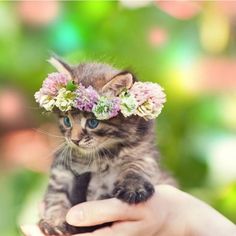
[(118, 158)]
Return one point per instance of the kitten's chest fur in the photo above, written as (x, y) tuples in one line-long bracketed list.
[(102, 183), (103, 174), (94, 185), (99, 175)]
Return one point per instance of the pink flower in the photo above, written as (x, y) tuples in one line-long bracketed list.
[(53, 83), (86, 98), (150, 98)]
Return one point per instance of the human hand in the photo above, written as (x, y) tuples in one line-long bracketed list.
[(31, 230), (169, 212), (128, 219)]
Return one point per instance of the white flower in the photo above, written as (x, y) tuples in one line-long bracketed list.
[(148, 110), (106, 109), (128, 104), (65, 99), (47, 102), (150, 98)]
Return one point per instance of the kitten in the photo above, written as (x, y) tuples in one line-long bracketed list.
[(101, 159)]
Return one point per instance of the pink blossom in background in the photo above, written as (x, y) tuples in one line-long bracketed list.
[(182, 10), (31, 149), (158, 37), (38, 12), (12, 107), (216, 74), (228, 8)]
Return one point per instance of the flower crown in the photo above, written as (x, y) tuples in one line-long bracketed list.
[(144, 99)]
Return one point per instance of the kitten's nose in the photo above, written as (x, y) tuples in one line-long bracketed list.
[(75, 141)]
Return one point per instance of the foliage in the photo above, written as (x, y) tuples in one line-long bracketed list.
[(193, 122)]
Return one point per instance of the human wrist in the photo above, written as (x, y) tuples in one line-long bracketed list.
[(192, 216), (204, 220), (175, 205)]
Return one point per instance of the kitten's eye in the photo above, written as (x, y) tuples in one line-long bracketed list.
[(92, 123), (67, 122)]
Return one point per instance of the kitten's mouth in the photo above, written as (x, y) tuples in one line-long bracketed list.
[(82, 148), (90, 149), (76, 142)]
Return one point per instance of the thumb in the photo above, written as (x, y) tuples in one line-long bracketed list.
[(103, 211), (29, 230)]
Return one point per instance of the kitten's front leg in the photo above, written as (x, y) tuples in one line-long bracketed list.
[(57, 202), (133, 184)]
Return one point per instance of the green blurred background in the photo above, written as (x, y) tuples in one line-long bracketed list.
[(187, 47)]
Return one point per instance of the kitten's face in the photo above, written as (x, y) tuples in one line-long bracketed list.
[(88, 135), (84, 132)]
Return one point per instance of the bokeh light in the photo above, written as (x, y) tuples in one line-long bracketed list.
[(29, 12), (135, 3), (215, 29), (186, 46), (182, 10), (11, 107), (222, 155), (158, 37), (65, 37)]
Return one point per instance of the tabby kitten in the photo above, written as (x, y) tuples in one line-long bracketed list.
[(101, 159)]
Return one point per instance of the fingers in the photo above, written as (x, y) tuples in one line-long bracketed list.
[(103, 211), (101, 232), (130, 228), (31, 230)]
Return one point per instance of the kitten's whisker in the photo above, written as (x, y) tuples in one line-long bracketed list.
[(106, 158), (109, 151), (66, 157), (72, 166), (70, 160), (32, 108), (99, 162), (56, 149), (68, 163), (104, 154), (61, 159), (90, 157), (49, 134)]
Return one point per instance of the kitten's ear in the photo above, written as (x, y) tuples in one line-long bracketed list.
[(61, 66), (118, 83)]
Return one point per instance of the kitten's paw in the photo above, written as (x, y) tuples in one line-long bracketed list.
[(48, 228), (133, 189)]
